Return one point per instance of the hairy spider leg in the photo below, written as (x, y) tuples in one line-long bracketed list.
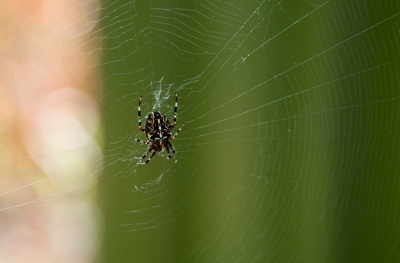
[(144, 155), (172, 148), (176, 133), (138, 140), (148, 160), (176, 109), (140, 121), (167, 148)]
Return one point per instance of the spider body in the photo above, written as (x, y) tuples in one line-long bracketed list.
[(158, 131), (156, 122)]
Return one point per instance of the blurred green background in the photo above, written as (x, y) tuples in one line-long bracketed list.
[(291, 146)]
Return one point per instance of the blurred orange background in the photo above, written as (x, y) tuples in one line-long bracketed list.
[(49, 119)]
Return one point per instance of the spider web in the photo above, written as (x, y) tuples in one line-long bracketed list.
[(291, 142)]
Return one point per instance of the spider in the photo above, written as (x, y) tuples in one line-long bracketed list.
[(158, 132)]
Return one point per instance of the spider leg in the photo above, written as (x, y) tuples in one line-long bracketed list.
[(167, 148), (175, 110), (176, 133), (144, 155), (172, 148), (140, 121), (138, 140), (148, 160)]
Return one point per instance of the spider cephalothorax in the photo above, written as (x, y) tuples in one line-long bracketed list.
[(158, 132)]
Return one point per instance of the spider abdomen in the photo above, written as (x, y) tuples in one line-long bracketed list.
[(157, 127)]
